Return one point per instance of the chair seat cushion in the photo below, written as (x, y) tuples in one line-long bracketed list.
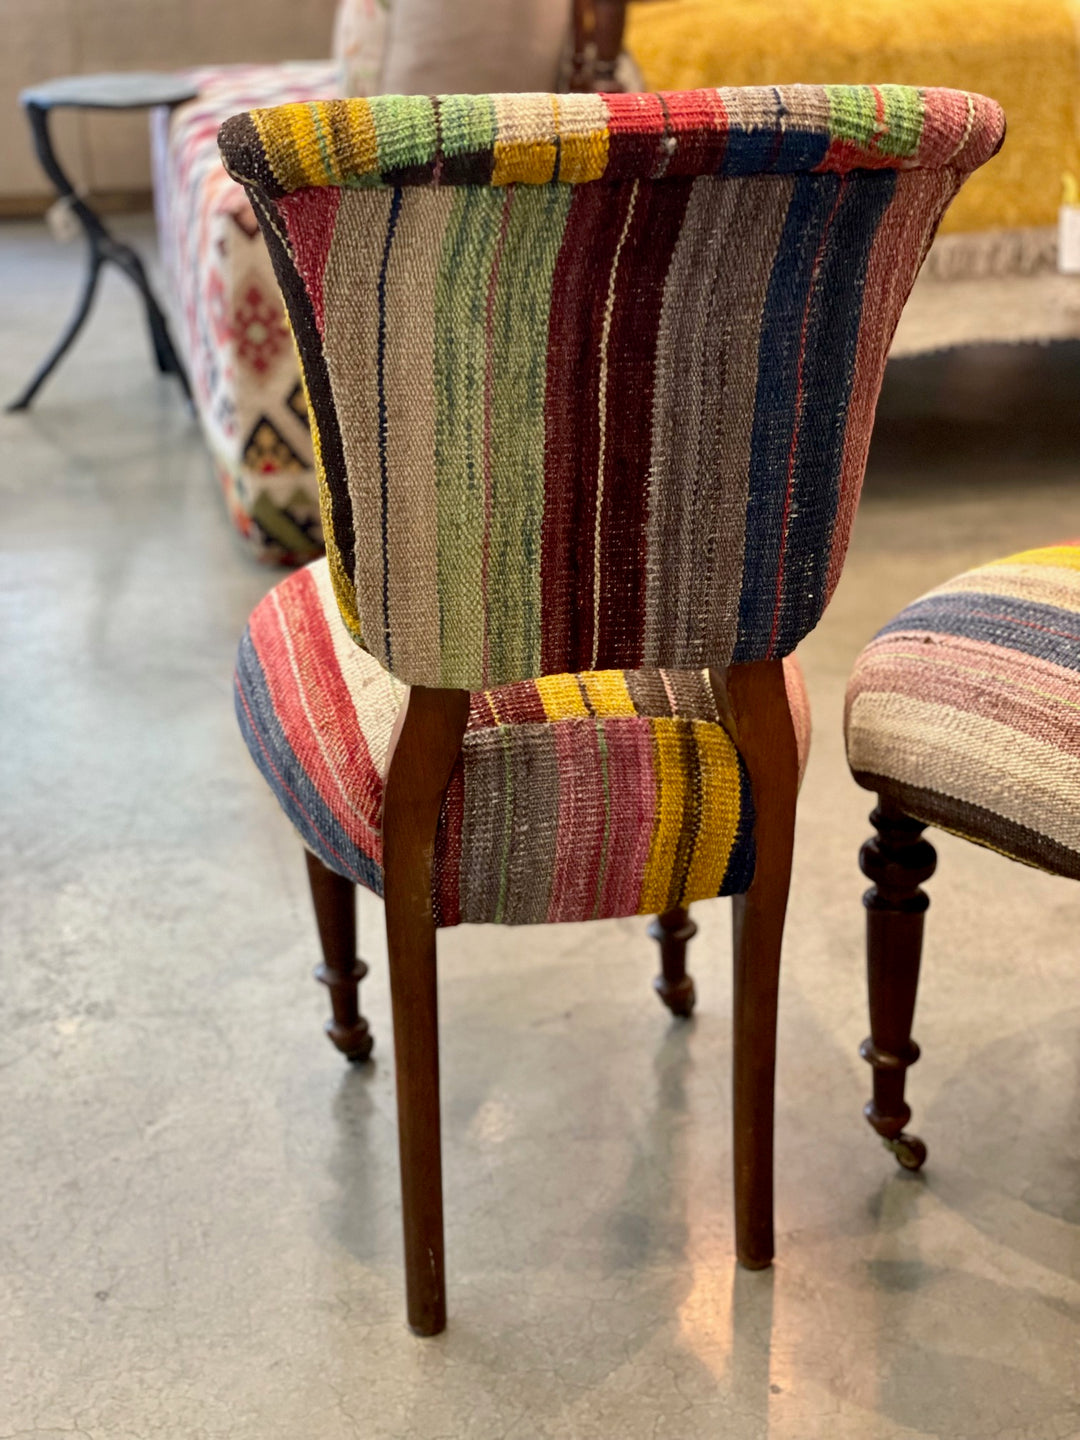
[(575, 796), (965, 709)]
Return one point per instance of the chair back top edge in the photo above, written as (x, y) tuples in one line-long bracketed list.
[(537, 139)]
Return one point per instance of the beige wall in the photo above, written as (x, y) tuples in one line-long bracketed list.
[(40, 39)]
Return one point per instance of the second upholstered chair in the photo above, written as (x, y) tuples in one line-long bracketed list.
[(591, 381), (964, 713)]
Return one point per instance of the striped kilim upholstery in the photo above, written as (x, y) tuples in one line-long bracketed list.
[(592, 377), (966, 708), (576, 796)]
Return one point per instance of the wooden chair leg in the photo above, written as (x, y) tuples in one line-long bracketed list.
[(429, 744), (763, 728), (334, 899), (896, 861), (672, 931)]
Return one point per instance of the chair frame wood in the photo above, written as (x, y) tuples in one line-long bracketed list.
[(753, 705)]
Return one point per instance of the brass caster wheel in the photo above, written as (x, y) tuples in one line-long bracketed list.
[(909, 1150)]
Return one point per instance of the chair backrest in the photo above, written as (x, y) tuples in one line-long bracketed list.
[(592, 377)]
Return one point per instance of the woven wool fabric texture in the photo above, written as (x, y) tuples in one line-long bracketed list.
[(593, 376), (966, 708), (575, 796)]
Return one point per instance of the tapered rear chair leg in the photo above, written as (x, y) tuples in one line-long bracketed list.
[(896, 861), (673, 931), (334, 899), (428, 746), (761, 717)]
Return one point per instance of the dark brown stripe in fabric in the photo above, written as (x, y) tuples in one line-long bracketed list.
[(244, 156), (648, 692), (309, 343), (631, 359), (978, 825), (571, 440), (691, 770), (534, 825)]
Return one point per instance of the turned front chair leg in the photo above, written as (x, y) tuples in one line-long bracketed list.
[(334, 899), (428, 746), (672, 931), (896, 861), (760, 714)]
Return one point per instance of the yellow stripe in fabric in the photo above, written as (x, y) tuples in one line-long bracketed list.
[(532, 162), (720, 807), (581, 122), (291, 144), (584, 157), (607, 692), (670, 813), (362, 139), (561, 697), (1063, 557)]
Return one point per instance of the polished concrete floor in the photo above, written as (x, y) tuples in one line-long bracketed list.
[(199, 1230)]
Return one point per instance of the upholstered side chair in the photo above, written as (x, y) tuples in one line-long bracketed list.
[(591, 380), (962, 713)]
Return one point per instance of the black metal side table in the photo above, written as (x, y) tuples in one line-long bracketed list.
[(101, 92)]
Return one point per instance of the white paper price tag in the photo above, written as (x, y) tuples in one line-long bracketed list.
[(1069, 239)]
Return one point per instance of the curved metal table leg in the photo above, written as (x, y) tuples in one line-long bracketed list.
[(75, 324), (103, 247)]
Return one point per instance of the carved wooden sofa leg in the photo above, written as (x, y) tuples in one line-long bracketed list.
[(334, 899), (672, 931), (896, 861)]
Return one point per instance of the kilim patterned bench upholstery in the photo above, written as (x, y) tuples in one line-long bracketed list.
[(575, 797), (965, 709), (591, 380)]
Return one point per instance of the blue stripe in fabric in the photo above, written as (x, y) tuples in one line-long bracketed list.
[(1042, 631), (287, 778), (743, 858), (774, 147), (831, 344), (812, 201), (384, 477)]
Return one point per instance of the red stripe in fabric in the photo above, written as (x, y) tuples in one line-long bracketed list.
[(636, 126), (447, 870), (811, 295), (699, 123), (581, 799), (639, 296), (904, 232), (1033, 697), (309, 219), (288, 790), (571, 423), (314, 707), (632, 782)]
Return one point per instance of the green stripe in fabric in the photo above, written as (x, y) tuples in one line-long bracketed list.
[(460, 341), (888, 118), (405, 131), (467, 123), (325, 143), (522, 304)]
